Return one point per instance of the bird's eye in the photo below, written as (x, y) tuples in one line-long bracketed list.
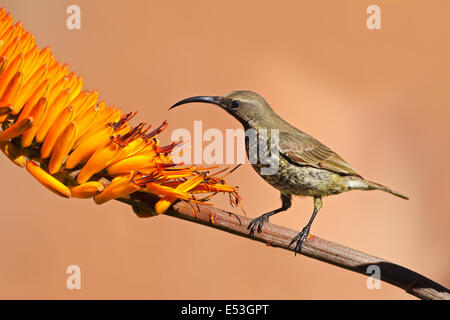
[(235, 104)]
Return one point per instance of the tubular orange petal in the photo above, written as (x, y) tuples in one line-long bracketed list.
[(54, 110), (107, 115), (163, 191), (190, 183), (6, 22), (162, 205), (18, 29), (62, 148), (89, 101), (87, 147), (6, 32), (54, 72), (132, 163), (87, 190), (28, 60), (104, 118), (56, 88), (73, 81), (16, 129), (10, 49), (148, 150), (76, 87), (99, 160), (42, 58), (85, 120), (12, 89), (79, 101), (9, 73), (25, 41), (130, 149), (119, 187), (12, 34), (29, 105), (38, 113), (47, 180), (55, 131), (177, 174), (57, 74), (50, 60), (28, 89), (9, 33), (28, 42), (203, 188)]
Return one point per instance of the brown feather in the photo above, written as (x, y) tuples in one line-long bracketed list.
[(303, 149)]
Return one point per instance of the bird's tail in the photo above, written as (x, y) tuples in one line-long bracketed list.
[(377, 186)]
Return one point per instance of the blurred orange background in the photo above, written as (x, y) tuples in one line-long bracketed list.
[(379, 98)]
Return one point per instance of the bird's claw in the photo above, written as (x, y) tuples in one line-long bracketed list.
[(300, 238), (257, 224)]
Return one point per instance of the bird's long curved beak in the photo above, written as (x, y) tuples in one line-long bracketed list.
[(204, 99)]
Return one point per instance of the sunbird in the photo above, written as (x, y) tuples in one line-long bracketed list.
[(307, 167)]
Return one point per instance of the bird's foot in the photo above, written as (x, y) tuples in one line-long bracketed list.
[(257, 224), (300, 238)]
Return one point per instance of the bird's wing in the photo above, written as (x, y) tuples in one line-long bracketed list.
[(305, 150)]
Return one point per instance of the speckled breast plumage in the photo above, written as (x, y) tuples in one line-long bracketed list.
[(301, 180)]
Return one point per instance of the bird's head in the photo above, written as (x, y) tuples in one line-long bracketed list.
[(244, 105)]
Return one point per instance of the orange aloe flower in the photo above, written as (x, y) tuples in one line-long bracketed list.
[(63, 134)]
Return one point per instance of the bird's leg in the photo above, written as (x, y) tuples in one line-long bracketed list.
[(303, 235), (257, 223)]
